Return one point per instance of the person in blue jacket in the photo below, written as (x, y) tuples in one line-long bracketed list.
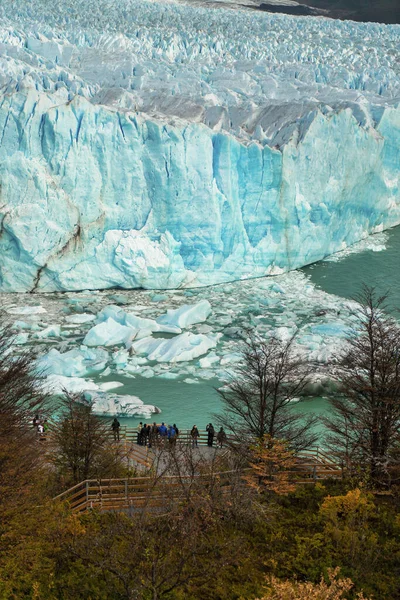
[(172, 436)]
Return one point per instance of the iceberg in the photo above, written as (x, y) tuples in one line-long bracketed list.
[(186, 315), (113, 405), (108, 333), (165, 145), (59, 384), (78, 362), (184, 347)]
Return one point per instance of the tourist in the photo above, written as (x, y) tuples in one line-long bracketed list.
[(154, 434), (36, 421), (194, 434), (176, 430), (211, 432), (221, 437), (40, 429), (143, 435), (115, 427), (139, 433), (162, 430), (45, 426), (172, 436)]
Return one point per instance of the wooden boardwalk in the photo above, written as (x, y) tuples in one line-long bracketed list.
[(157, 488)]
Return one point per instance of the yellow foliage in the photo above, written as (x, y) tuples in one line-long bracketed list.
[(352, 509), (271, 461), (334, 590)]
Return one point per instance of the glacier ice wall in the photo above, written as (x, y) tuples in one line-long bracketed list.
[(160, 145)]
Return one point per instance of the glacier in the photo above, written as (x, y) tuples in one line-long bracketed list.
[(162, 145)]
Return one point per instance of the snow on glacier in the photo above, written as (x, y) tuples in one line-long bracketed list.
[(159, 145)]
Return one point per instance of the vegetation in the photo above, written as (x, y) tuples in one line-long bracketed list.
[(260, 537), (80, 445), (257, 400), (365, 424)]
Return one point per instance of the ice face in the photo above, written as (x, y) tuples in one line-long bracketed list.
[(160, 145)]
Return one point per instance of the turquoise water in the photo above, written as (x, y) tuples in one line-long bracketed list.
[(181, 403), (188, 404), (345, 277)]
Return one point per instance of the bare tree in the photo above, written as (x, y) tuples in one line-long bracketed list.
[(81, 447), (21, 396), (257, 400), (364, 429)]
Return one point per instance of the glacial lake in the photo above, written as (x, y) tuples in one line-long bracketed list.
[(342, 275)]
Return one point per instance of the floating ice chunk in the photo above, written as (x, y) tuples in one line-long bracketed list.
[(209, 360), (74, 363), (23, 325), (141, 326), (58, 384), (147, 373), (331, 329), (111, 311), (183, 347), (110, 385), (190, 380), (120, 358), (108, 333), (121, 406), (169, 375), (21, 338), (150, 325), (26, 310), (80, 318), (186, 315), (49, 332)]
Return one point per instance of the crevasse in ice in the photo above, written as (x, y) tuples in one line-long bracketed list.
[(161, 145)]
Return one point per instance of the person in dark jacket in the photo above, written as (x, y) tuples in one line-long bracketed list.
[(147, 441), (143, 435), (210, 434), (115, 427), (139, 433), (194, 434), (221, 437), (153, 434)]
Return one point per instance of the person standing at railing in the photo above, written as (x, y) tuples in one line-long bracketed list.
[(172, 436), (194, 434), (115, 426), (147, 433), (162, 430), (221, 437), (139, 433), (210, 434), (153, 435)]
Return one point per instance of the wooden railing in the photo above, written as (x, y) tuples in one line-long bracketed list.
[(137, 493), (130, 434)]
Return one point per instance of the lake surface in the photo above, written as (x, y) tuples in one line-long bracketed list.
[(342, 275)]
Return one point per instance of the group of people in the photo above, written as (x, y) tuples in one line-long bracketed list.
[(152, 435), (221, 436)]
